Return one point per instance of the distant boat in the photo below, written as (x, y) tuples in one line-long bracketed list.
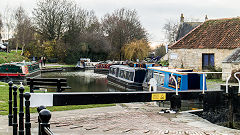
[(85, 63), (127, 78), (18, 71)]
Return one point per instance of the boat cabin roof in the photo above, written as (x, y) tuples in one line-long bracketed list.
[(172, 70), (125, 67)]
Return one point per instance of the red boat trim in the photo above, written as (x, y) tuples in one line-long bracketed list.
[(11, 74)]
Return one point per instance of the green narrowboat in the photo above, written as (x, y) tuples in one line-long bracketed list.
[(18, 71)]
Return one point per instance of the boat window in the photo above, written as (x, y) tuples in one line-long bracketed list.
[(110, 70), (122, 73), (149, 75), (117, 72), (159, 77), (131, 76), (114, 71), (172, 82), (127, 75)]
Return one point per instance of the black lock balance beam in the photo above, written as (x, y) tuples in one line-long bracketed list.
[(84, 98)]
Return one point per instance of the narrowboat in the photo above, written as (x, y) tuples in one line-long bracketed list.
[(18, 71), (126, 78), (162, 79), (143, 65), (102, 68), (85, 63)]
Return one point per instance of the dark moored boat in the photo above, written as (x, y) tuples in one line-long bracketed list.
[(18, 71), (125, 77), (102, 68)]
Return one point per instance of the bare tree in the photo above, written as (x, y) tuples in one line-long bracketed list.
[(8, 24), (50, 17), (84, 35), (171, 29), (1, 26), (121, 27), (23, 31)]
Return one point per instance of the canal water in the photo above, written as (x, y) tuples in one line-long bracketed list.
[(84, 81)]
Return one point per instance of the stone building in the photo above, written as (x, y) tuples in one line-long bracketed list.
[(209, 44), (185, 27)]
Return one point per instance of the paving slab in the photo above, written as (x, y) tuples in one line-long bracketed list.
[(131, 118)]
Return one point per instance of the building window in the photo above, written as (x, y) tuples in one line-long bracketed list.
[(207, 61)]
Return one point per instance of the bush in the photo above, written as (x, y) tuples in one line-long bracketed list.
[(164, 63), (233, 79), (214, 76)]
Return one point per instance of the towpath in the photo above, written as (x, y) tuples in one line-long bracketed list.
[(131, 118)]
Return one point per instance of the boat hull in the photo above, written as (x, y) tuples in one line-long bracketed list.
[(18, 77), (125, 85)]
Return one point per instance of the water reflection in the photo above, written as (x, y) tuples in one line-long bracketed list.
[(83, 81)]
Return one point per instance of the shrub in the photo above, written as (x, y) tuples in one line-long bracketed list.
[(214, 76)]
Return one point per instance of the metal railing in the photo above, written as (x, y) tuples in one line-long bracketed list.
[(204, 78)]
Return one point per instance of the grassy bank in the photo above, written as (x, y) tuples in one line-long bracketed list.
[(4, 102), (215, 80), (11, 57)]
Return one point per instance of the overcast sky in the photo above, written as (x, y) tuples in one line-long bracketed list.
[(153, 14)]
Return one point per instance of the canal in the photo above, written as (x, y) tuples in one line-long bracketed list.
[(84, 81)]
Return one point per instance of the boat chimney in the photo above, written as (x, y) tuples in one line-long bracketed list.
[(206, 18), (182, 18)]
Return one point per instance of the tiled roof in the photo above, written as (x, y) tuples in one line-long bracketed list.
[(234, 57), (185, 28), (221, 34)]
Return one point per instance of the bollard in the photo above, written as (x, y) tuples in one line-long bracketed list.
[(40, 108), (10, 115), (15, 124), (175, 102), (27, 113), (21, 112), (44, 116)]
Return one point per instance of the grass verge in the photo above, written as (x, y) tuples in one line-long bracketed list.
[(4, 102), (215, 80), (11, 57)]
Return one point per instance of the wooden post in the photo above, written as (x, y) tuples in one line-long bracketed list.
[(58, 85), (31, 85), (27, 113), (10, 115), (15, 124), (21, 112)]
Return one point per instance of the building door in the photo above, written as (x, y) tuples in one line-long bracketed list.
[(207, 61)]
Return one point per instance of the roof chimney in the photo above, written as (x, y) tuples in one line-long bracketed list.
[(181, 18), (206, 18)]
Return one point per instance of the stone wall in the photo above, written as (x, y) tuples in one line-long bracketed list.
[(192, 58), (228, 67)]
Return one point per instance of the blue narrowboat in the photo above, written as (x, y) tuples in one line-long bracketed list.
[(126, 78), (163, 79)]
